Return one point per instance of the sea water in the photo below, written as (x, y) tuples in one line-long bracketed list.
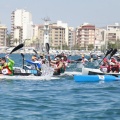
[(58, 99)]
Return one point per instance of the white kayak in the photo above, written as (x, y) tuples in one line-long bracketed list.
[(92, 71), (30, 77), (68, 73)]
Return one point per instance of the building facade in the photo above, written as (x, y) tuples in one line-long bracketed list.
[(71, 37), (3, 33), (113, 33), (58, 35), (21, 26), (99, 38), (85, 35)]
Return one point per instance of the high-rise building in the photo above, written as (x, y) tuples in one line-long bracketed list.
[(21, 26), (58, 34), (3, 32), (113, 33), (85, 35), (71, 37), (99, 38)]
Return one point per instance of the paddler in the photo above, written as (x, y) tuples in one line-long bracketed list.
[(91, 58), (6, 68), (84, 59), (105, 67), (114, 65), (35, 64), (59, 66)]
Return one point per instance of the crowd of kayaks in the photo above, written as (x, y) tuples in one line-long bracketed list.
[(96, 75), (87, 75)]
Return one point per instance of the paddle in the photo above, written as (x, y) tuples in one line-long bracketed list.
[(17, 47), (35, 52), (23, 60), (107, 53), (113, 53), (47, 49)]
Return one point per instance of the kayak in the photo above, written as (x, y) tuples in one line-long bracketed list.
[(92, 71), (30, 77), (95, 78), (22, 74)]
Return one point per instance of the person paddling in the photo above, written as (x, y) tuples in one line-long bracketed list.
[(6, 68), (35, 65), (114, 65), (105, 67), (59, 66)]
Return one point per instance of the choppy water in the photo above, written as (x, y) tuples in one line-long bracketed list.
[(61, 99)]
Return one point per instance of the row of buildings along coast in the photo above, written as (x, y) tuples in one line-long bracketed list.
[(60, 35)]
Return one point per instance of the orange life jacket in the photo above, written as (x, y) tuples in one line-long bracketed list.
[(6, 71)]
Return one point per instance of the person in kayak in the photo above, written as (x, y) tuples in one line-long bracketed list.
[(91, 58), (6, 68), (84, 59), (59, 66), (105, 67), (35, 65), (114, 66)]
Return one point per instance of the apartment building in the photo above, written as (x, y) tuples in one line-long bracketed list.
[(85, 35), (3, 32), (58, 34), (113, 33), (99, 38), (21, 26), (71, 37)]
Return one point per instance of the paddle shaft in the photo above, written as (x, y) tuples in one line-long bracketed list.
[(22, 60)]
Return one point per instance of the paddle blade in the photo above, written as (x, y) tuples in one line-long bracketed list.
[(108, 52), (22, 55), (47, 47), (113, 53), (17, 47), (35, 51)]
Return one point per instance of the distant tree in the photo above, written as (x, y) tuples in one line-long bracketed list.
[(90, 47), (8, 39), (111, 45), (76, 47), (65, 47)]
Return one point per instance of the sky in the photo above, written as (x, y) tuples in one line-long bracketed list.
[(73, 12)]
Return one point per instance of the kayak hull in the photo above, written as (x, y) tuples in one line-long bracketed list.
[(92, 71), (95, 78), (30, 77)]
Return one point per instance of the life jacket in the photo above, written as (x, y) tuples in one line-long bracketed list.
[(105, 69), (61, 70), (6, 71), (115, 68)]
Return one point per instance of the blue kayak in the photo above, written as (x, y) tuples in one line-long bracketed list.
[(95, 78)]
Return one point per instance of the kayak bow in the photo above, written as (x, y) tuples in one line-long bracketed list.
[(95, 78)]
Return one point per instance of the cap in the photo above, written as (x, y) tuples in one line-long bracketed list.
[(57, 58), (111, 63)]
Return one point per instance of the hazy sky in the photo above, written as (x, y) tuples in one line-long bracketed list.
[(74, 12)]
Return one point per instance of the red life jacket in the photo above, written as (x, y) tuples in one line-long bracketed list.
[(6, 71)]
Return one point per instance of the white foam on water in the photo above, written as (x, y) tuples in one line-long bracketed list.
[(80, 65)]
